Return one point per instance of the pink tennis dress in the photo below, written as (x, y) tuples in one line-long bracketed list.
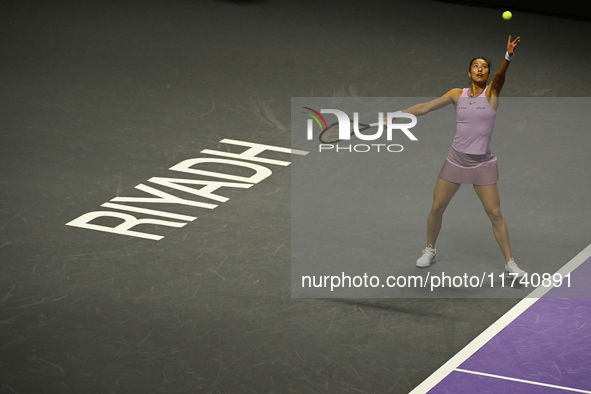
[(469, 160)]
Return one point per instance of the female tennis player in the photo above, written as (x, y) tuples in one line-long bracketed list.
[(470, 160)]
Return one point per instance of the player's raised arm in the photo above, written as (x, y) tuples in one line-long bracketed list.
[(499, 78)]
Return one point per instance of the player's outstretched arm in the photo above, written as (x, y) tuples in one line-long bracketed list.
[(499, 78), (424, 108)]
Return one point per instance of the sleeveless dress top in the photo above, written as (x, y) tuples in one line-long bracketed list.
[(475, 123), (469, 160)]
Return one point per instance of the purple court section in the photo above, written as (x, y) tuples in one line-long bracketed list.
[(549, 343), (580, 279), (466, 383)]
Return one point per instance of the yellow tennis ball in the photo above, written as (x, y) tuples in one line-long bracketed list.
[(507, 15)]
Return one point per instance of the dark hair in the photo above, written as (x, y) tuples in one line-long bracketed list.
[(480, 57)]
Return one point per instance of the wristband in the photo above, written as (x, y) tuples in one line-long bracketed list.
[(509, 57)]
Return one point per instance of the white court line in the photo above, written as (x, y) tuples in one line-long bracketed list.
[(523, 381), (496, 327)]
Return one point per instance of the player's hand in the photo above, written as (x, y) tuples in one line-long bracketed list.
[(512, 44)]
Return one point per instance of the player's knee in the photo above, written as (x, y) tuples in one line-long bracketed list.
[(495, 214), (437, 209)]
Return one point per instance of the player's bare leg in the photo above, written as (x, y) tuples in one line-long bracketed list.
[(489, 196), (442, 195)]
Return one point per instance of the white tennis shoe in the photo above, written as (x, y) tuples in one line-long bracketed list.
[(511, 269), (429, 257)]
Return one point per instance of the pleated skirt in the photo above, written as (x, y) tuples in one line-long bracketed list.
[(480, 170)]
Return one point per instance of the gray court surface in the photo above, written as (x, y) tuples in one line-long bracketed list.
[(126, 103)]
